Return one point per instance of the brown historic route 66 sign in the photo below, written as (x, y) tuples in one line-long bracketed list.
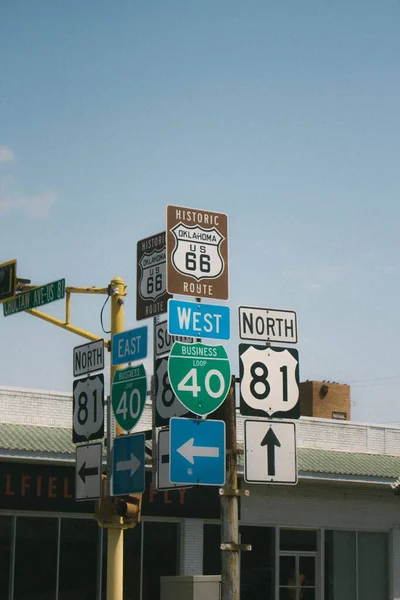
[(151, 294), (197, 253)]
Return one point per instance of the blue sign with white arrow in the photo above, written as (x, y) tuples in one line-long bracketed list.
[(129, 346), (197, 451), (128, 464), (193, 319)]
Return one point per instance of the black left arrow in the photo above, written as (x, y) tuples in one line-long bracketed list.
[(87, 472), (270, 440)]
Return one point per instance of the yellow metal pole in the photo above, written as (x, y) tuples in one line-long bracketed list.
[(115, 555)]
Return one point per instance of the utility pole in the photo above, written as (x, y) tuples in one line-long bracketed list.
[(230, 547), (115, 551)]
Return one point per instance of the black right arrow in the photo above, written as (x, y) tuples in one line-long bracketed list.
[(270, 440), (86, 472)]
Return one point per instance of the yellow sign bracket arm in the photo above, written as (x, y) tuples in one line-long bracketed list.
[(67, 323)]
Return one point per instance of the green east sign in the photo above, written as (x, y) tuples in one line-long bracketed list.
[(128, 395), (200, 376)]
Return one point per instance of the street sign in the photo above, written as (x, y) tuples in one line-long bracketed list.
[(88, 472), (129, 346), (36, 297), (88, 408), (151, 270), (163, 460), (164, 340), (167, 404), (200, 376), (8, 280), (197, 451), (128, 464), (267, 325), (197, 253), (88, 358), (128, 395), (198, 320), (269, 381), (270, 452)]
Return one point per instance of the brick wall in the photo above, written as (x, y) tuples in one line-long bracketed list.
[(325, 399)]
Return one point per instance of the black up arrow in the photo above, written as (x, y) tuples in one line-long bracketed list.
[(270, 440), (86, 472)]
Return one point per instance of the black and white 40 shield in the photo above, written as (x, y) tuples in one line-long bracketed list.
[(269, 381), (167, 404)]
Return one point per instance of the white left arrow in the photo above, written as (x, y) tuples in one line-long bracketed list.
[(188, 450), (132, 464)]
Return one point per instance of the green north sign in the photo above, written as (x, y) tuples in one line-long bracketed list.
[(200, 376), (128, 395), (34, 298)]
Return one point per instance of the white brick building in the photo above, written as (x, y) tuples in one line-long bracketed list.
[(339, 526)]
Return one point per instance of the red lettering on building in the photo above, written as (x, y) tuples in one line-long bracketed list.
[(52, 487), (9, 491), (25, 485)]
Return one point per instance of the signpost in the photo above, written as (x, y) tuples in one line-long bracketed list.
[(88, 408), (267, 325), (163, 340), (197, 452), (197, 253), (198, 320), (269, 381), (129, 346), (88, 472), (199, 376), (167, 404), (270, 452), (36, 297), (88, 358), (128, 395), (151, 292), (128, 471)]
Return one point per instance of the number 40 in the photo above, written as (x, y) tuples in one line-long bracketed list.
[(194, 388)]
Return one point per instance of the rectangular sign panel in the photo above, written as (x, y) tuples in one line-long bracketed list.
[(88, 472), (198, 320), (88, 358), (36, 297), (8, 280), (151, 277), (129, 346), (267, 325), (128, 475), (197, 253), (270, 452), (164, 341), (197, 452)]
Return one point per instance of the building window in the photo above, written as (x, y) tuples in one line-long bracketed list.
[(5, 554), (257, 568), (298, 564), (36, 552), (78, 559), (163, 537), (356, 565)]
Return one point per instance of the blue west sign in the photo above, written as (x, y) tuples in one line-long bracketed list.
[(193, 319), (197, 451), (129, 346)]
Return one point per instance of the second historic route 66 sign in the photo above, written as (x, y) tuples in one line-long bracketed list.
[(197, 253), (269, 381), (151, 297)]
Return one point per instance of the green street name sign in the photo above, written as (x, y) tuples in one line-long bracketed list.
[(128, 395), (34, 298), (200, 376)]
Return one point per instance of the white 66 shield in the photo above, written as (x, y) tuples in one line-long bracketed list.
[(269, 381)]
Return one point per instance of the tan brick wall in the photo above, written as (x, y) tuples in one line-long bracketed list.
[(323, 399)]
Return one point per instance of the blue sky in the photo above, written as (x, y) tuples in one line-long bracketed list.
[(284, 115)]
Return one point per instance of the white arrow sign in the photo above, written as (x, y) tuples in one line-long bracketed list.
[(132, 464), (188, 450)]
